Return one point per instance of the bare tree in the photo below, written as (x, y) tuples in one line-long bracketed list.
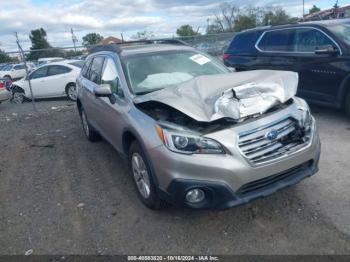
[(225, 17)]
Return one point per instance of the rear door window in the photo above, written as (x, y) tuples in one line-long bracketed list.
[(58, 70), (96, 69), (277, 41), (307, 39), (19, 67)]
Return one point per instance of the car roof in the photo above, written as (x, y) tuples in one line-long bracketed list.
[(141, 47), (64, 63), (299, 24), (151, 48)]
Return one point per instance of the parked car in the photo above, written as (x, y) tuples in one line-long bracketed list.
[(3, 66), (51, 80), (194, 133), (318, 51), (5, 94), (13, 71), (46, 60)]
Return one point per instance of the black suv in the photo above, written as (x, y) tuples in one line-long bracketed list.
[(318, 51)]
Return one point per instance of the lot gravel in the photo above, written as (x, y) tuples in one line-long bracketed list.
[(60, 194)]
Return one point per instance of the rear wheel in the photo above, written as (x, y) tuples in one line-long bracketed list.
[(142, 177), (71, 92), (89, 131), (347, 104)]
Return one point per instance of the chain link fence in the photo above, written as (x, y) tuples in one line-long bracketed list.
[(214, 44)]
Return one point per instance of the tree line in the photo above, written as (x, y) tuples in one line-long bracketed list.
[(228, 18), (42, 48)]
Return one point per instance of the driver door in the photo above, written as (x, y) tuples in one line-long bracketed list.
[(319, 74), (114, 107), (37, 79)]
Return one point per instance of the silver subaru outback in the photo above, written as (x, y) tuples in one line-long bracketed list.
[(195, 133)]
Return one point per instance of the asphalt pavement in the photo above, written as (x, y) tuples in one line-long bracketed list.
[(60, 194)]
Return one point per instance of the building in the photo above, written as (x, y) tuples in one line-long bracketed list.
[(333, 13), (110, 40)]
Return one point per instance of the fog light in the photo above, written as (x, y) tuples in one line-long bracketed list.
[(195, 195)]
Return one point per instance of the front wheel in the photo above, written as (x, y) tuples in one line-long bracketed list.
[(18, 97), (143, 179)]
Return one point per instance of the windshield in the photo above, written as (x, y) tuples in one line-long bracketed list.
[(151, 72), (342, 31)]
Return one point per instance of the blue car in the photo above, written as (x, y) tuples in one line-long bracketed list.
[(318, 51)]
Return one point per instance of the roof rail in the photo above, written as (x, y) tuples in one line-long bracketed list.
[(116, 47), (110, 47), (154, 41)]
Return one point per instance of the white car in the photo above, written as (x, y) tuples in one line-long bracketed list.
[(46, 60), (13, 71), (51, 80)]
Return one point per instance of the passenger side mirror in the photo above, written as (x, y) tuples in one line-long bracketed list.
[(103, 90), (326, 50)]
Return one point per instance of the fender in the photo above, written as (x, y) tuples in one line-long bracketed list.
[(138, 138)]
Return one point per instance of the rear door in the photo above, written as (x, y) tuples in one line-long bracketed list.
[(277, 46), (55, 81), (319, 74)]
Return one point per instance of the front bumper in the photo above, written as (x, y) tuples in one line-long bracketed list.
[(229, 180), (220, 196)]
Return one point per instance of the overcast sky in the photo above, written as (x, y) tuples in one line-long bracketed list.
[(113, 17)]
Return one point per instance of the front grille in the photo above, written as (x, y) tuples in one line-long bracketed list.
[(271, 180), (257, 148)]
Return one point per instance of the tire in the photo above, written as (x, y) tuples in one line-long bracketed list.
[(18, 97), (71, 92), (91, 134), (8, 77), (143, 179)]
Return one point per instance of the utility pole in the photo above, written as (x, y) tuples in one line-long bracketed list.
[(303, 9), (74, 39), (26, 67)]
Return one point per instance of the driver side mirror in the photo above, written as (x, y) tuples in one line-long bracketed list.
[(103, 90), (326, 50)]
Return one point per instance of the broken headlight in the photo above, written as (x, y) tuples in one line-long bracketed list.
[(187, 143), (305, 120)]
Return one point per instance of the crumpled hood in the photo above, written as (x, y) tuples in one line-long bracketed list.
[(234, 95)]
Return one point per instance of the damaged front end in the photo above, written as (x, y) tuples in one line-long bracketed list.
[(188, 112), (220, 100)]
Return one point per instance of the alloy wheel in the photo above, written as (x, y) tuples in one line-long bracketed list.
[(72, 94), (141, 175), (18, 98)]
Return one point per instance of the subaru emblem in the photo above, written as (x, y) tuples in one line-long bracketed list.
[(272, 135)]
